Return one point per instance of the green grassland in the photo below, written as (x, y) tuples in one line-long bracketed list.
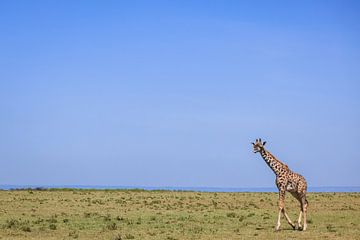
[(136, 214)]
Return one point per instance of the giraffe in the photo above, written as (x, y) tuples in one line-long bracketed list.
[(286, 181)]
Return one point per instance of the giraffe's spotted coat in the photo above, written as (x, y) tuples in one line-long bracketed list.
[(285, 178)]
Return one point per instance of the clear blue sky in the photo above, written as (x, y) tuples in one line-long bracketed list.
[(171, 93)]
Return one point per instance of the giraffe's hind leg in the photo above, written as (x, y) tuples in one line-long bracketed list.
[(303, 205), (298, 223)]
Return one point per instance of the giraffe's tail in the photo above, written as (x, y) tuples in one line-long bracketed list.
[(307, 203)]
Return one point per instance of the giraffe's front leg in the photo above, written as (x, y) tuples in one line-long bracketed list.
[(277, 228), (288, 219), (281, 207), (299, 227), (305, 205), (282, 210)]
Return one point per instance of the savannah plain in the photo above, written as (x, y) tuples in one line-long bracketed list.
[(138, 214)]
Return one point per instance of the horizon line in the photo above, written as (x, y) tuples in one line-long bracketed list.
[(173, 188)]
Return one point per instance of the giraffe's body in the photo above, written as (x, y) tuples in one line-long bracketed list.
[(286, 181)]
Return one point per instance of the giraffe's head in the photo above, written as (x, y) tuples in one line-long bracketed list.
[(258, 145)]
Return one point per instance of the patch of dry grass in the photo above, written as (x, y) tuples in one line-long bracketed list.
[(126, 214)]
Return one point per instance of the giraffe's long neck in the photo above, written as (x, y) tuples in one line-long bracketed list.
[(277, 166)]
